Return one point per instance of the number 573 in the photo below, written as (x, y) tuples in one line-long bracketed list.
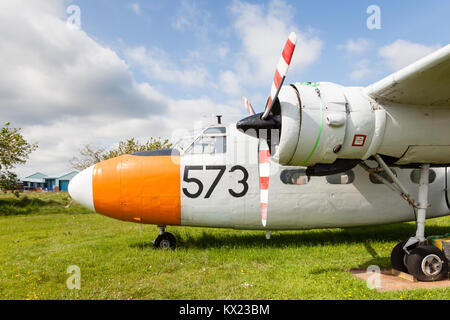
[(220, 171)]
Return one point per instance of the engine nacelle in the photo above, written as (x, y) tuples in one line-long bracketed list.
[(317, 122), (323, 122)]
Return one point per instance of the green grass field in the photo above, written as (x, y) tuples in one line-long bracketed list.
[(43, 234)]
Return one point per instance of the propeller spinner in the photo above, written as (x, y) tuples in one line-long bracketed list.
[(267, 120)]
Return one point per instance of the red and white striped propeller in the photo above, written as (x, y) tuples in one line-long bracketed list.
[(264, 173), (281, 72), (263, 147), (249, 107)]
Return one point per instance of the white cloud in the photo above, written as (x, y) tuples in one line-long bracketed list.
[(191, 17), (135, 7), (357, 46), (49, 70), (222, 52), (263, 32), (180, 23), (64, 89), (401, 53), (157, 66), (361, 70), (229, 83)]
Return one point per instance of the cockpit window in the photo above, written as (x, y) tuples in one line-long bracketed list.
[(206, 144), (215, 130), (213, 140)]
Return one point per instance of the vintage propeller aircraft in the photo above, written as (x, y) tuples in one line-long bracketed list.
[(331, 156)]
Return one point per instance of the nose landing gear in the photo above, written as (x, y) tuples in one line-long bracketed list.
[(165, 240)]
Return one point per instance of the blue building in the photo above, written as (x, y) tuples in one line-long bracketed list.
[(40, 181)]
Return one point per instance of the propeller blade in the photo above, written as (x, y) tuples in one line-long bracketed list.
[(263, 122), (280, 73), (264, 172), (249, 107)]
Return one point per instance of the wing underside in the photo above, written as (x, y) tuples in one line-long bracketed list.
[(425, 82)]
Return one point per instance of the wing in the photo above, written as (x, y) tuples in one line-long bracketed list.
[(425, 82)]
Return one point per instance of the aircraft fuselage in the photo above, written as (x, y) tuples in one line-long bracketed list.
[(219, 187)]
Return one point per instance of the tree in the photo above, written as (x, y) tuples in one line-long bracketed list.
[(14, 150), (90, 155)]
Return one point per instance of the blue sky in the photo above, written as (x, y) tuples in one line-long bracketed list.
[(335, 22), (210, 24), (148, 68)]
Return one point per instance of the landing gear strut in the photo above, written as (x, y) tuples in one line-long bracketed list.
[(425, 262), (165, 240)]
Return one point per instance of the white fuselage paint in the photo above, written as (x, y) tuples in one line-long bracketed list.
[(317, 204)]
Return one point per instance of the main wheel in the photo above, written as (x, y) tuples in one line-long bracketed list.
[(427, 263), (398, 257), (166, 241)]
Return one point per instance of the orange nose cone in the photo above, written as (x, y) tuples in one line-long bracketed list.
[(138, 188)]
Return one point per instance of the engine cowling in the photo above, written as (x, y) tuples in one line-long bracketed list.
[(316, 123), (325, 122), (321, 123)]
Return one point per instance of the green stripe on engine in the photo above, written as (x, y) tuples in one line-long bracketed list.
[(320, 133)]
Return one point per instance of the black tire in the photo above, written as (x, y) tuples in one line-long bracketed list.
[(398, 257), (166, 241), (427, 263)]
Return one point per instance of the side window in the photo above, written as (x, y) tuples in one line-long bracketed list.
[(341, 178), (295, 177), (415, 176), (384, 175)]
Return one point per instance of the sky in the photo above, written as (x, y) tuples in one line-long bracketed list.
[(100, 71)]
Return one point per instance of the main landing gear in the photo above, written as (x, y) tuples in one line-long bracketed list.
[(425, 262), (415, 256), (165, 240)]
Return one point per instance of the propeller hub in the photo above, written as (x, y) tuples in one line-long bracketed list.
[(257, 123)]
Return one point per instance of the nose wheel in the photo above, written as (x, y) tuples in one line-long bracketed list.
[(165, 240)]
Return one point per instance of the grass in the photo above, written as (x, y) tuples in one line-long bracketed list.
[(32, 203), (117, 262)]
